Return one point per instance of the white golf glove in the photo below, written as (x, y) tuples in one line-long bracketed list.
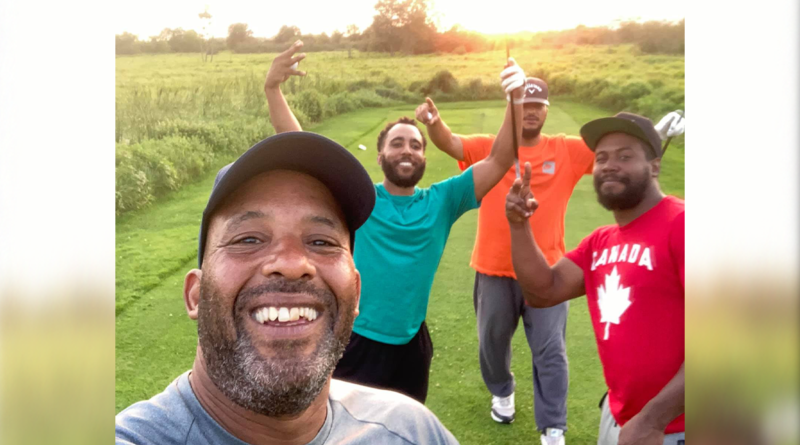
[(512, 78), (671, 125)]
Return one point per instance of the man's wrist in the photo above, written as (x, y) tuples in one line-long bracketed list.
[(519, 225), (648, 417)]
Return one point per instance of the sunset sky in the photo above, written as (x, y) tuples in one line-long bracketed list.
[(148, 17)]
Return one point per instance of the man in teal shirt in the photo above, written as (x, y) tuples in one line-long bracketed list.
[(401, 244)]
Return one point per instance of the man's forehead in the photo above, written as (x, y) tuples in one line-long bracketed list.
[(618, 141), (405, 131), (271, 191)]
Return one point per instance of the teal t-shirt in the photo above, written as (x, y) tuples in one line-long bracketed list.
[(398, 251)]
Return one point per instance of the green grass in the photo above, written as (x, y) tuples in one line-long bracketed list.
[(155, 340)]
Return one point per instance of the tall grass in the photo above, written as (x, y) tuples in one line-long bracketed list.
[(178, 117)]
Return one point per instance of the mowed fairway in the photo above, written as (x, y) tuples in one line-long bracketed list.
[(156, 246)]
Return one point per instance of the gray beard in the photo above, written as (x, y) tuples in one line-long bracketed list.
[(285, 385)]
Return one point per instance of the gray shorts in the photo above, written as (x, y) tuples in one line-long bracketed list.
[(609, 430)]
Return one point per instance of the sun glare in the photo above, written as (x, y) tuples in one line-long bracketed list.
[(148, 17)]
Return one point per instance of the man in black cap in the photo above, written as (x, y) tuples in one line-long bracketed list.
[(632, 274), (559, 162), (402, 242), (274, 296)]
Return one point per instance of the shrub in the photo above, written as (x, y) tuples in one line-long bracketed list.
[(634, 90), (443, 81), (339, 103), (310, 103), (561, 84), (132, 187), (611, 98), (368, 98), (417, 86), (359, 85)]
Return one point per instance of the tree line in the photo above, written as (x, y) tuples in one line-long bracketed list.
[(405, 27)]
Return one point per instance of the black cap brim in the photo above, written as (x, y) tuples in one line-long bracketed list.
[(593, 131), (304, 152)]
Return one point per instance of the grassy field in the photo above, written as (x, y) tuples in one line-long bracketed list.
[(156, 246), (177, 116)]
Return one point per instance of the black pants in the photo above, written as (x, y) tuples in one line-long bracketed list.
[(401, 368)]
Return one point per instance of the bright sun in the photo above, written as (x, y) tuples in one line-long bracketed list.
[(148, 17)]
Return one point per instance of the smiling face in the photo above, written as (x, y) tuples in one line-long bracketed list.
[(277, 295), (622, 171), (402, 155), (533, 116)]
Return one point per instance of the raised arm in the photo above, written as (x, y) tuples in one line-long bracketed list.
[(283, 67), (488, 172), (542, 285), (440, 134)]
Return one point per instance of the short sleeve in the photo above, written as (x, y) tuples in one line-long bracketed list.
[(457, 194), (476, 148), (677, 245), (581, 255), (581, 157)]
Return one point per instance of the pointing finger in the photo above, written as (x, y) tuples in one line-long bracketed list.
[(526, 177), (429, 101)]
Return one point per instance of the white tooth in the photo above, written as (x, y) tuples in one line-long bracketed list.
[(259, 316), (303, 312), (273, 313), (313, 314), (294, 314), (283, 314)]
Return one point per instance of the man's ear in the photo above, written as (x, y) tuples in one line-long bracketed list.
[(380, 158), (655, 167), (191, 292)]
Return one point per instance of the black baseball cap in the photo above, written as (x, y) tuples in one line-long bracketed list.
[(628, 123), (304, 152), (535, 91)]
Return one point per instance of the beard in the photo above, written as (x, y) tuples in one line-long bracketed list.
[(390, 171), (631, 195), (283, 385), (530, 133)]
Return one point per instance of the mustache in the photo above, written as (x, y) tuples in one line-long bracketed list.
[(605, 178), (282, 285)]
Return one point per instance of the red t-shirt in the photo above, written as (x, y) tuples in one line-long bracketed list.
[(635, 290)]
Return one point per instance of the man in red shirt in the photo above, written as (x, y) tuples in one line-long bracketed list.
[(632, 273)]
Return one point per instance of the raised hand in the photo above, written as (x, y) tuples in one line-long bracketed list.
[(284, 66), (513, 80), (427, 113), (520, 203)]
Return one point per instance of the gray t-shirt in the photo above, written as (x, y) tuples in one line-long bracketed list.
[(356, 415)]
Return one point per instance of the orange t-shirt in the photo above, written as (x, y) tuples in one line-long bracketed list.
[(557, 164)]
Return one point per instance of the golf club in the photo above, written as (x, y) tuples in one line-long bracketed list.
[(666, 144), (513, 121)]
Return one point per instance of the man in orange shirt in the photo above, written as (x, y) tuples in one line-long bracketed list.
[(558, 163)]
